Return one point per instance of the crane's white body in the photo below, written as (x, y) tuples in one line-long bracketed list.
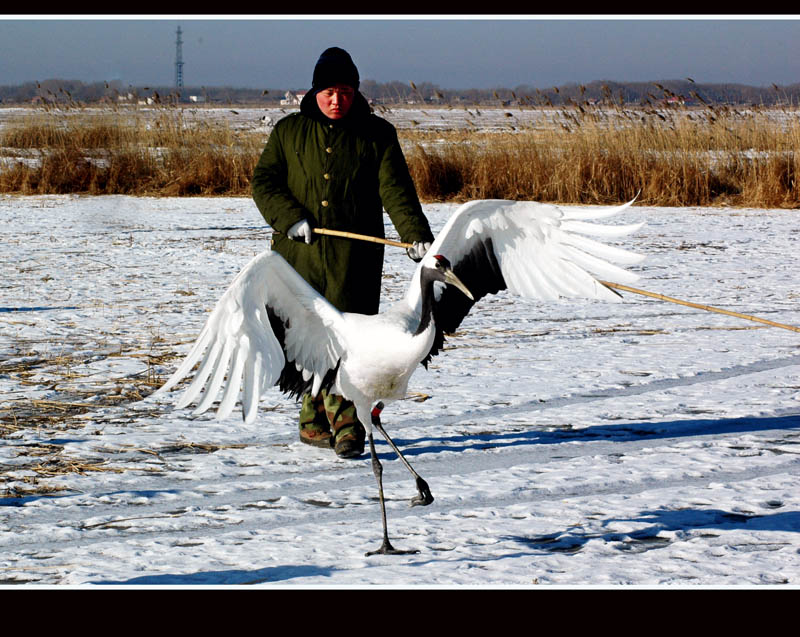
[(534, 250), (382, 355)]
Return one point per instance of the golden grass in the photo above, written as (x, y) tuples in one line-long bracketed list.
[(602, 153), (131, 153), (687, 159)]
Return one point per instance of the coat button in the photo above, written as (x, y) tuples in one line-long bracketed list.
[(324, 203), (326, 176), (329, 150)]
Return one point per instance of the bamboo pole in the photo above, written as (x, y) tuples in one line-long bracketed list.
[(361, 237), (699, 306), (617, 286)]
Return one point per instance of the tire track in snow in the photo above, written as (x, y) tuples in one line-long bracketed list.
[(300, 506), (454, 459), (367, 512), (616, 392)]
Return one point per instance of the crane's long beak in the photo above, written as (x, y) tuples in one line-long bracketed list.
[(451, 279)]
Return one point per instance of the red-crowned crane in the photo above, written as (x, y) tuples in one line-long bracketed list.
[(271, 327)]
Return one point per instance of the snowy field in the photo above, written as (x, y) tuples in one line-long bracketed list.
[(403, 117), (566, 444), (432, 117)]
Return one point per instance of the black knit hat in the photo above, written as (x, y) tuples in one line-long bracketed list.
[(335, 66)]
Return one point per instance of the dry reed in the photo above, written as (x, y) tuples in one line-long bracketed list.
[(600, 153), (675, 158), (116, 152)]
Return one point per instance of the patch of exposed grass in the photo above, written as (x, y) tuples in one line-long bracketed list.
[(68, 404)]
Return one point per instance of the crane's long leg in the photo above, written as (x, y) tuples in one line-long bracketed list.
[(425, 497), (386, 547)]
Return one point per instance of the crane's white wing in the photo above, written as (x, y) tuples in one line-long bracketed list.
[(269, 327), (534, 250)]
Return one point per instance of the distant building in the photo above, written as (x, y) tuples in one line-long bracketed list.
[(197, 98), (293, 98)]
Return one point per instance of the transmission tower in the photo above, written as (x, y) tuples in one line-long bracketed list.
[(178, 61)]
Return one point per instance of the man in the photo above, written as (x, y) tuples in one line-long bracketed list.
[(336, 165)]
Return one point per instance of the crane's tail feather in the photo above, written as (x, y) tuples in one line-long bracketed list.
[(601, 230), (601, 250), (191, 359), (234, 383), (214, 367), (251, 386), (574, 212), (599, 266), (209, 361)]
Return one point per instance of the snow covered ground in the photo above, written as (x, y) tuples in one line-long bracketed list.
[(403, 117), (566, 444)]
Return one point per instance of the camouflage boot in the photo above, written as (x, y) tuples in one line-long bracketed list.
[(348, 432), (314, 427)]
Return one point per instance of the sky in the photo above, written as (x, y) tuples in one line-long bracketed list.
[(453, 52)]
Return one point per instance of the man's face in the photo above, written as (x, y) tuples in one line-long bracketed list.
[(335, 101)]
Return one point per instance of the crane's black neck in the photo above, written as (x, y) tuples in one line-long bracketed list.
[(426, 280)]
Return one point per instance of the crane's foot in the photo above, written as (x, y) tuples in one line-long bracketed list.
[(387, 549), (425, 497)]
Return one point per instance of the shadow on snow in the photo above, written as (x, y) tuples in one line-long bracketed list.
[(234, 577), (627, 432), (663, 523)]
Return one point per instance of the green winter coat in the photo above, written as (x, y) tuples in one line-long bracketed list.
[(339, 175)]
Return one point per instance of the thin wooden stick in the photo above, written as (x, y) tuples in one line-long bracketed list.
[(708, 308), (361, 237), (617, 286)]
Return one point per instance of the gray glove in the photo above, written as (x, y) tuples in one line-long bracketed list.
[(418, 250), (301, 231)]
